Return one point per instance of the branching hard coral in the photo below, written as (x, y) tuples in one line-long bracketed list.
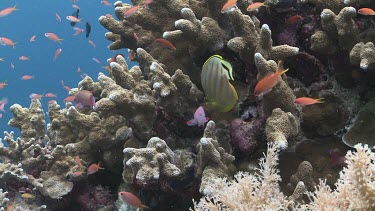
[(150, 165), (204, 32), (340, 32), (355, 190), (247, 191), (30, 121), (280, 127), (249, 39), (363, 55), (281, 96), (212, 160)]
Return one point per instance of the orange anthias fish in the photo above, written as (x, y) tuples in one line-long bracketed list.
[(53, 36), (255, 6), (308, 101), (67, 88), (35, 96), (131, 11), (293, 19), (3, 84), (50, 95), (7, 41), (366, 11), (69, 98), (27, 77), (266, 84), (57, 53), (32, 39), (229, 5), (166, 43), (58, 18), (132, 200), (93, 168), (73, 19), (24, 58), (7, 11), (78, 162), (106, 3), (92, 43)]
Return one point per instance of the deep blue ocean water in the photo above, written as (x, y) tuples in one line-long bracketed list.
[(36, 17)]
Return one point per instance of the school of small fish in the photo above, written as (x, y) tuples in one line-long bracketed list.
[(79, 25)]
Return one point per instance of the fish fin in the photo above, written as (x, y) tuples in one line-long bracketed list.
[(320, 100), (280, 69), (192, 122), (228, 67), (142, 207)]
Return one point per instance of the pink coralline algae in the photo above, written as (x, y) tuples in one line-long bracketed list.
[(246, 135)]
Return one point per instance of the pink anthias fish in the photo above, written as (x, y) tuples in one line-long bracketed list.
[(3, 102), (199, 118), (335, 158), (78, 31), (57, 53), (96, 60), (35, 96), (84, 98)]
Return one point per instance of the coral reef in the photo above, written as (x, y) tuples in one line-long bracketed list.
[(340, 32), (362, 129), (280, 127), (363, 55)]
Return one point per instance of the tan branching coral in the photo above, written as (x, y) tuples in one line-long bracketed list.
[(281, 96), (151, 164), (212, 160), (249, 39), (30, 121), (363, 55), (280, 127), (340, 32)]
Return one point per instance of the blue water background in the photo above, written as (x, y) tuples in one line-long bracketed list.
[(37, 17)]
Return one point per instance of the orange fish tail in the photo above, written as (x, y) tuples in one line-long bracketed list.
[(142, 207), (320, 100), (280, 69)]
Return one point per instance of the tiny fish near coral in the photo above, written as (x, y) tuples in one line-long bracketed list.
[(366, 11), (266, 84), (93, 168), (229, 5), (199, 118), (132, 200), (84, 98), (308, 101)]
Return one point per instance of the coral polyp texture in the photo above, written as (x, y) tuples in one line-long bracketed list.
[(153, 133)]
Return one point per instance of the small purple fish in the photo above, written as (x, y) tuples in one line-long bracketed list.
[(335, 158), (96, 60), (2, 104), (199, 118), (84, 98)]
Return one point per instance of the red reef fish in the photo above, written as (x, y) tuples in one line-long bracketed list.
[(229, 5), (53, 36), (78, 162), (7, 11), (132, 200), (308, 101), (266, 84), (255, 6), (58, 18), (73, 19), (24, 58), (67, 88), (293, 19), (69, 98), (7, 41), (93, 168), (92, 43), (131, 11), (166, 43), (50, 95), (366, 11), (27, 77), (3, 84), (3, 102), (78, 31), (32, 39), (57, 53), (35, 96)]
